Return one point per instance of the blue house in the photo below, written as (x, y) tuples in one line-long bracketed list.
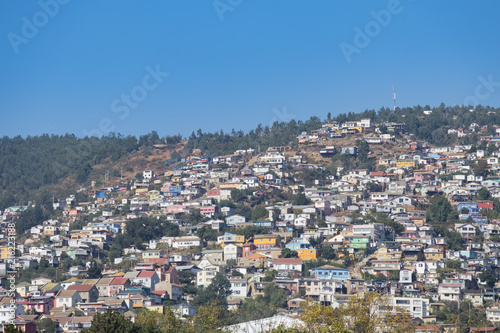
[(327, 272), (298, 243), (470, 206)]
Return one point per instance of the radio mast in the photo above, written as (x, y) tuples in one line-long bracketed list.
[(394, 88)]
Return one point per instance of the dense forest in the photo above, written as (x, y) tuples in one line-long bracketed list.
[(29, 165)]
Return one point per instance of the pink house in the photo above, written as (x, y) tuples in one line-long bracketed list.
[(40, 304)]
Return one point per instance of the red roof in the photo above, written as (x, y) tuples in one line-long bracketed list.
[(287, 261), (119, 281), (146, 274), (377, 173)]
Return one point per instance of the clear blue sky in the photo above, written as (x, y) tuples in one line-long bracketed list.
[(231, 67)]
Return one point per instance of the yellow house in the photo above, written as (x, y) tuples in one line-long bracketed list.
[(266, 241), (434, 253), (239, 240), (307, 254), (383, 254), (405, 163), (4, 252), (153, 194), (176, 179)]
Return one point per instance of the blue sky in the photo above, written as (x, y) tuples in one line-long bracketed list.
[(234, 64)]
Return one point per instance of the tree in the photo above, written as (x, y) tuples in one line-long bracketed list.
[(488, 277), (251, 230), (237, 195), (316, 241), (115, 251), (361, 314), (43, 264), (155, 322), (9, 328), (300, 200), (441, 211), (46, 325), (327, 252), (111, 321), (363, 149), (94, 271), (274, 296), (483, 194), (210, 317), (287, 253), (481, 168), (259, 213), (219, 289)]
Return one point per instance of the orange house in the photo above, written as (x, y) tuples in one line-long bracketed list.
[(307, 254), (266, 241)]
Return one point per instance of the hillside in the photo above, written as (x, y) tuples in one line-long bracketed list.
[(57, 165)]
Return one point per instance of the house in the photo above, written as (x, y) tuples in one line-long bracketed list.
[(68, 298), (450, 292), (266, 241), (331, 273), (238, 287), (232, 252), (103, 286), (287, 265), (307, 254), (205, 276), (235, 220), (467, 231), (434, 253), (88, 292), (148, 279)]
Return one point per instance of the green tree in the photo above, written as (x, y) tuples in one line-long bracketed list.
[(111, 321), (115, 251), (9, 328), (259, 213), (155, 322), (237, 195), (363, 149), (46, 325), (481, 168), (287, 253), (274, 296), (300, 200), (251, 230), (441, 210), (327, 252), (483, 194), (218, 290), (94, 271), (488, 277)]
